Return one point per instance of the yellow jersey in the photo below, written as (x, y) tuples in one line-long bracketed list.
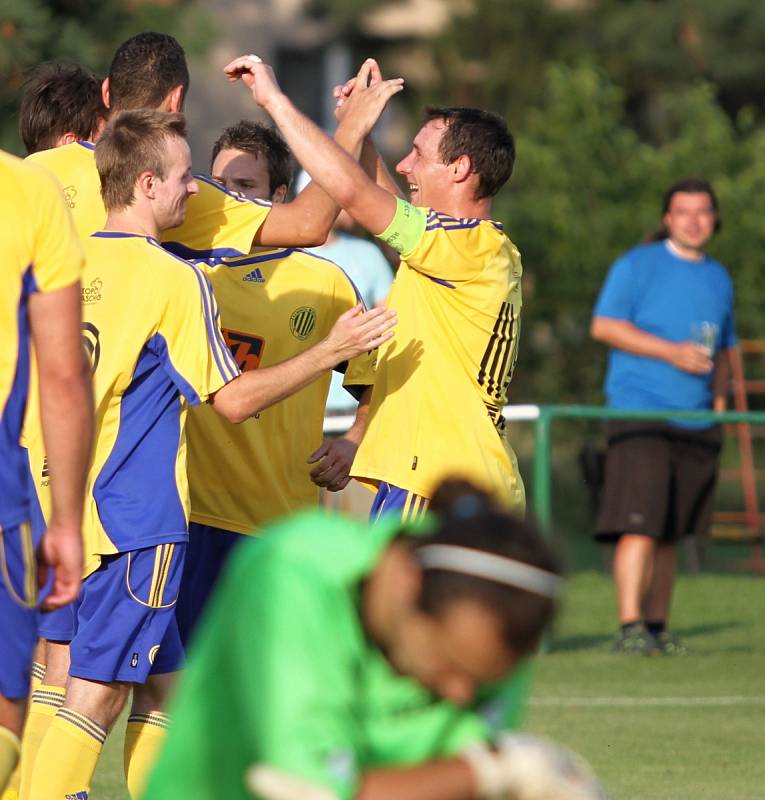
[(443, 378), (41, 253), (156, 348), (274, 304), (218, 223)]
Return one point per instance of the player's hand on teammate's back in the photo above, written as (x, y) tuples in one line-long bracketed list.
[(334, 457), (524, 767), (61, 551), (257, 76), (358, 331)]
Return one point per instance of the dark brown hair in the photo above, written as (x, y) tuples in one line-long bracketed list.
[(261, 140), (467, 517), (132, 143), (144, 70), (59, 98), (482, 136), (689, 186)]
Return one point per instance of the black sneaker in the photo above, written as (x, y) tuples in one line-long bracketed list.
[(635, 641), (669, 644)]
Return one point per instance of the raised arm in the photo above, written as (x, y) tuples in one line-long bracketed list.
[(328, 164)]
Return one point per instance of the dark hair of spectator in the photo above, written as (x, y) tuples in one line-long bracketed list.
[(687, 186)]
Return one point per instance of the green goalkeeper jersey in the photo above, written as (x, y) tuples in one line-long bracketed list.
[(282, 673)]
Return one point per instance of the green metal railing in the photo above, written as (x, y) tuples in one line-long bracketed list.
[(543, 437)]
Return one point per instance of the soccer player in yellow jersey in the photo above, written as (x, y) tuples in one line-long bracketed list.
[(149, 70), (440, 386), (274, 304), (149, 368), (39, 300)]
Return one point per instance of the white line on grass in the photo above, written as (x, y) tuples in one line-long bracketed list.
[(584, 702)]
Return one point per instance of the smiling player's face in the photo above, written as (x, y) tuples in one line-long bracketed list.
[(172, 191), (424, 170)]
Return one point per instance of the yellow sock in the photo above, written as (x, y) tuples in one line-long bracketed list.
[(37, 676), (67, 758), (12, 787), (9, 754), (143, 739), (45, 702)]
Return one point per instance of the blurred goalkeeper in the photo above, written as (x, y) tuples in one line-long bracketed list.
[(339, 661)]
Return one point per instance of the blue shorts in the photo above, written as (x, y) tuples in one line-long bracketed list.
[(125, 626), (18, 599), (208, 550), (59, 625), (391, 499)]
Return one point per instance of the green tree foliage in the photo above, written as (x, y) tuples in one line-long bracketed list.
[(86, 31), (587, 188), (611, 102)]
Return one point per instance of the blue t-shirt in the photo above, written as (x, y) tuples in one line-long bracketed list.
[(371, 274), (670, 297)]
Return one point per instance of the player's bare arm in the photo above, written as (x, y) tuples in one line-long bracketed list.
[(307, 220), (335, 456), (519, 766), (66, 409), (624, 335), (327, 163), (355, 332), (370, 159)]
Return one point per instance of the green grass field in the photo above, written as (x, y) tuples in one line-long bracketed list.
[(672, 728)]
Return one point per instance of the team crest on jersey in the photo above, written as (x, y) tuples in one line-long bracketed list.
[(246, 348), (69, 194), (77, 796), (256, 276), (92, 293), (90, 340), (302, 322)]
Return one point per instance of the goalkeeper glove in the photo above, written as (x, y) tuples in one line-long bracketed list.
[(523, 767)]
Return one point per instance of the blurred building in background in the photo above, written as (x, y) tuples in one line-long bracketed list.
[(310, 56)]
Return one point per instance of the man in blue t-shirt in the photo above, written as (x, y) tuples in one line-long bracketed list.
[(666, 313)]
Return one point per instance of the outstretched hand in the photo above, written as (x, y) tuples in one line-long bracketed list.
[(257, 76), (361, 100), (358, 331)]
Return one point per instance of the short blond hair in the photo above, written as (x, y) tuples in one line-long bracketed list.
[(132, 143)]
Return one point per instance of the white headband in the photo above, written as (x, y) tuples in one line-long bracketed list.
[(492, 567)]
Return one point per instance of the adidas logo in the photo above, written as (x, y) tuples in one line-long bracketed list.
[(256, 276)]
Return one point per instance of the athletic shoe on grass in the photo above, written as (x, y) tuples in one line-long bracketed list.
[(636, 641), (669, 644)]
